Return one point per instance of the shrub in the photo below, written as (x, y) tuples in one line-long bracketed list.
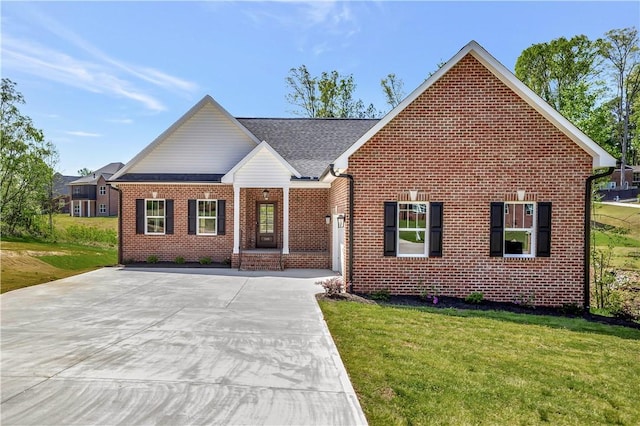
[(205, 261), (570, 309), (429, 295), (179, 260), (475, 298), (90, 235), (333, 285), (382, 295), (152, 259)]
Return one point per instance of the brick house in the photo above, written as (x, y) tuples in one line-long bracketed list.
[(472, 183), (93, 196)]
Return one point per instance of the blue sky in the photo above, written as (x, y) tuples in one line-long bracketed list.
[(103, 79)]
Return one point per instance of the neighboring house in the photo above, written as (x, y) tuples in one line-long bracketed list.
[(61, 198), (611, 190), (92, 195), (455, 190)]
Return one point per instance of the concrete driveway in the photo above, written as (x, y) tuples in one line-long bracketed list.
[(172, 346)]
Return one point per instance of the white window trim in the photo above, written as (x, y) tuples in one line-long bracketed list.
[(102, 190), (146, 218), (425, 229), (198, 217), (534, 230), (102, 208)]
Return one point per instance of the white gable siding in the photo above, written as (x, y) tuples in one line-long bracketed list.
[(206, 143), (262, 170)]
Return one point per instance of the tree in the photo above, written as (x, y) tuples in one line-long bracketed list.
[(393, 89), (620, 48), (329, 96), (26, 161), (565, 74), (84, 171)]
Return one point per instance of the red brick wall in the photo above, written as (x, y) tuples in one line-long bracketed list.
[(468, 141), (137, 247), (338, 204), (308, 230)]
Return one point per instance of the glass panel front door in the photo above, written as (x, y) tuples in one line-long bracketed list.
[(266, 229)]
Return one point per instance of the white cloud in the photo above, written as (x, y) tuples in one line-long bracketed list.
[(83, 134), (97, 72), (120, 120)]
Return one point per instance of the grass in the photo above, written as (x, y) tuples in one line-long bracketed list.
[(624, 237), (81, 245), (429, 366)]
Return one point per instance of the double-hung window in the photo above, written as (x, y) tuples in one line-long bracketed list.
[(207, 217), (155, 217), (102, 208), (103, 190), (520, 229), (412, 229)]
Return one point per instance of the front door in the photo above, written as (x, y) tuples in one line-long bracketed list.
[(266, 229)]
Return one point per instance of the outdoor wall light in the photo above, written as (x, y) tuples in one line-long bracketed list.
[(154, 194), (265, 194), (327, 219), (340, 219)]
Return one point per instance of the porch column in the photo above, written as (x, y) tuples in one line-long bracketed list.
[(285, 220), (88, 208), (71, 209), (236, 219)]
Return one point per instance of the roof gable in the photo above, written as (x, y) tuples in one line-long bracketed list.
[(207, 139), (600, 157), (260, 167)]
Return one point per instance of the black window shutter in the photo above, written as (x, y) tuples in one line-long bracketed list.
[(435, 229), (222, 217), (497, 229), (168, 206), (543, 240), (191, 214), (390, 228), (140, 216)]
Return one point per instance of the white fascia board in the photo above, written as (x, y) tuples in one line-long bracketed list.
[(228, 177), (164, 135), (601, 158)]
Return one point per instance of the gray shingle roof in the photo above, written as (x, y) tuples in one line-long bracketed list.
[(106, 171), (308, 144)]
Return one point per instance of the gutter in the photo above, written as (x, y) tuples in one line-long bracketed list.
[(351, 209), (587, 235)]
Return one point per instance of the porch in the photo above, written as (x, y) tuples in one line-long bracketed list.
[(279, 228)]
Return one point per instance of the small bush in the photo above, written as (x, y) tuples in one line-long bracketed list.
[(179, 260), (333, 285), (205, 261), (382, 295), (475, 298), (152, 259), (570, 309)]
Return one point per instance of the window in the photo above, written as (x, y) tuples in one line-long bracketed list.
[(412, 229), (102, 208), (207, 217), (520, 229), (76, 190), (76, 210), (155, 217), (103, 190), (519, 236)]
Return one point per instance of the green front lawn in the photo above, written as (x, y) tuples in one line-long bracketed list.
[(431, 366)]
